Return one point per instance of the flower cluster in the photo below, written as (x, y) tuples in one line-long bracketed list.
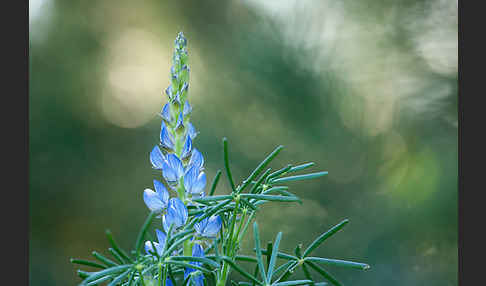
[(181, 164)]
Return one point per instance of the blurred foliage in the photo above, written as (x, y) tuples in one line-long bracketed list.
[(366, 89)]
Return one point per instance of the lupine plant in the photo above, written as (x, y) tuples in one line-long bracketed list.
[(198, 235)]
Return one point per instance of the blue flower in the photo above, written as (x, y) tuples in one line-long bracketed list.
[(187, 109), (166, 138), (196, 160), (172, 169), (156, 201), (191, 131), (180, 122), (208, 227), (169, 91), (186, 150), (166, 115), (196, 280), (185, 87), (157, 158), (159, 246), (176, 214), (194, 180)]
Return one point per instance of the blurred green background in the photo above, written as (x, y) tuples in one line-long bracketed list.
[(366, 89)]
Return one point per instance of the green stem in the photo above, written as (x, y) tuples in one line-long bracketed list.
[(187, 250), (224, 274)]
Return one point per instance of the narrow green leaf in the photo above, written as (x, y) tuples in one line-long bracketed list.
[(307, 273), (196, 259), (119, 278), (324, 273), (117, 256), (184, 264), (271, 197), (108, 271), (279, 172), (299, 177), (226, 164), (84, 274), (280, 255), (248, 204), (245, 258), (103, 259), (260, 167), (214, 198), (301, 167), (87, 263), (130, 279), (180, 234), (289, 271), (116, 247), (292, 283), (269, 250), (319, 240), (240, 270), (338, 262), (275, 190), (260, 180), (273, 260), (99, 281), (213, 210), (298, 251), (283, 266), (259, 252), (143, 230), (215, 182)]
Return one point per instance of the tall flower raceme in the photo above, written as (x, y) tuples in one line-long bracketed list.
[(198, 237)]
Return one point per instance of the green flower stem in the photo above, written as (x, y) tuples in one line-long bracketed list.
[(187, 249)]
